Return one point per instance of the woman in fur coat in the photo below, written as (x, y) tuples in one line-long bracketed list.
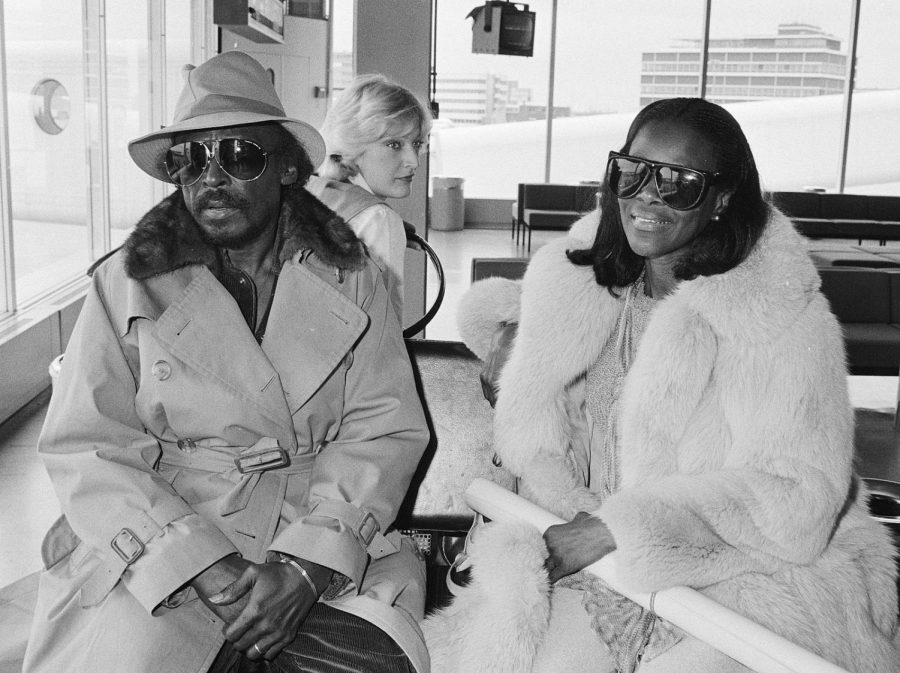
[(677, 392)]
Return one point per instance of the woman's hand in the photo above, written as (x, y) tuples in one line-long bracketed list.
[(575, 545), (276, 599)]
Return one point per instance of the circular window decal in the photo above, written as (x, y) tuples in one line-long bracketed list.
[(50, 106)]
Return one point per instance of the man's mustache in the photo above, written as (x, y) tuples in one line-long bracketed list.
[(222, 199)]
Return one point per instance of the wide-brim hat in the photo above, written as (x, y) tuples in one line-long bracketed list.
[(230, 89)]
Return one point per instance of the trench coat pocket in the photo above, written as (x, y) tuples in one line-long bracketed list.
[(59, 542)]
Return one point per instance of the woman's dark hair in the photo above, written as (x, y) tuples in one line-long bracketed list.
[(717, 248)]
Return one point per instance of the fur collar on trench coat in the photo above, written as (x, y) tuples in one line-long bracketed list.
[(736, 448), (163, 387)]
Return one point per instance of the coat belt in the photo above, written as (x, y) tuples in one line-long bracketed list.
[(246, 465), (242, 465)]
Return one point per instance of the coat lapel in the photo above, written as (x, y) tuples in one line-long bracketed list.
[(312, 327), (205, 329)]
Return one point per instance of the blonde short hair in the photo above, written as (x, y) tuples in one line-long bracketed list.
[(370, 109)]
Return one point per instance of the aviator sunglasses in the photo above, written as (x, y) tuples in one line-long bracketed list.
[(679, 187), (241, 159)]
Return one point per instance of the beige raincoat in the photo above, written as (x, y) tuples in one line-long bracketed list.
[(163, 399)]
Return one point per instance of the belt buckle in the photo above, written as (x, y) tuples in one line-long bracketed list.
[(262, 460), (368, 529), (127, 545)]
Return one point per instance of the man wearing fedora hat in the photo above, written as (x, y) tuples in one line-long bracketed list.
[(235, 424)]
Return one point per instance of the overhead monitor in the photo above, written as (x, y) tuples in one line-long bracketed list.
[(502, 28)]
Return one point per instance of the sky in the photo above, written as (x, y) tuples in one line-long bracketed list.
[(599, 42)]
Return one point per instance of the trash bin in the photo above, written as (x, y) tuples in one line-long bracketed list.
[(447, 204)]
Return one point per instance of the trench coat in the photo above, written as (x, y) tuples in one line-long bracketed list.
[(164, 407)]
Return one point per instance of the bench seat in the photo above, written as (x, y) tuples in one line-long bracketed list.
[(552, 207), (850, 216), (873, 349), (866, 301), (549, 219)]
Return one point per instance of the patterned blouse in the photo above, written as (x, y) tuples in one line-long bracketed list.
[(630, 632)]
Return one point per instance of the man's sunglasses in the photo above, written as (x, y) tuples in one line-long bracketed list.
[(241, 159), (679, 187)]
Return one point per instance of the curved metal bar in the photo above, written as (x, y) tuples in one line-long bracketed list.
[(419, 325), (737, 636)]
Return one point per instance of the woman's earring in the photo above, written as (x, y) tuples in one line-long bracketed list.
[(716, 218)]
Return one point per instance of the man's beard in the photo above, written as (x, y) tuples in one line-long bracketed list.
[(233, 241), (224, 238)]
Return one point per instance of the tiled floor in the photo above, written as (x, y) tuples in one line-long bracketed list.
[(456, 250), (28, 505)]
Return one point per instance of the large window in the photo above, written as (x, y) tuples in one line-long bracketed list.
[(609, 55), (83, 80), (874, 143), (129, 110), (491, 106), (786, 87), (85, 77), (782, 69), (45, 70), (343, 65)]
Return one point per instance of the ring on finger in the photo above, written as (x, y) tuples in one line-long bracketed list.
[(256, 647)]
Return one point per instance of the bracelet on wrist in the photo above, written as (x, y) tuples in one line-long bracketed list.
[(289, 560)]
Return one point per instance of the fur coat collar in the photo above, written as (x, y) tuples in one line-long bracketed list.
[(566, 318), (167, 237)]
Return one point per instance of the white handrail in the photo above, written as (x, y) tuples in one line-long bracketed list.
[(740, 638)]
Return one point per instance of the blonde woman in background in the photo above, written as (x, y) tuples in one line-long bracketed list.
[(374, 135)]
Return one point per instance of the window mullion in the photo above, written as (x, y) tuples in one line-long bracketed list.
[(7, 268), (96, 127), (157, 55), (550, 86), (704, 50), (848, 94)]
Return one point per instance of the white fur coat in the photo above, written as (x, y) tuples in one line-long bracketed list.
[(736, 445)]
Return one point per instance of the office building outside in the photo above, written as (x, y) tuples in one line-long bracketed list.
[(801, 60), (476, 98), (466, 99), (480, 98)]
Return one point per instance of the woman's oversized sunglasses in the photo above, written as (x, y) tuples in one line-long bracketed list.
[(240, 158), (679, 187)]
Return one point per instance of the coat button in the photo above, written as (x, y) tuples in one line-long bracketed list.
[(187, 445), (161, 370)]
